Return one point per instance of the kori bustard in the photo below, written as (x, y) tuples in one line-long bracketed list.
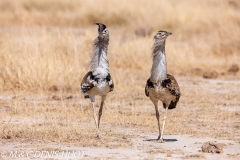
[(161, 86), (98, 81)]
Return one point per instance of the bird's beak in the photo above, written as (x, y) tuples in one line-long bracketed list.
[(169, 33)]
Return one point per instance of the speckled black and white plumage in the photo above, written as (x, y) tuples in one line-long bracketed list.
[(161, 86), (98, 81), (89, 81), (167, 86)]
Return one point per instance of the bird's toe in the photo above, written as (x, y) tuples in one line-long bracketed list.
[(99, 136), (161, 141)]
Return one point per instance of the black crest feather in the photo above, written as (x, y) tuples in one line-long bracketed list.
[(101, 27)]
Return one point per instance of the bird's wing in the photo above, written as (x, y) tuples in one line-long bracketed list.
[(86, 83), (110, 82), (171, 84), (149, 84)]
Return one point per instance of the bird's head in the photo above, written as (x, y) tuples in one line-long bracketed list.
[(102, 32), (161, 35)]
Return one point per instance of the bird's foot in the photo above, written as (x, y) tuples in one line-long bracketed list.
[(98, 136), (160, 139)]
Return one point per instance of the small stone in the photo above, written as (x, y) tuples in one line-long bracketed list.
[(234, 68), (210, 75), (212, 147), (56, 97)]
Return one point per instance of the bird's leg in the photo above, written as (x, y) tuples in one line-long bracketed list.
[(100, 109), (157, 116), (164, 120), (92, 98)]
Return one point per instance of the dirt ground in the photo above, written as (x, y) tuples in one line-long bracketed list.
[(62, 122), (175, 147)]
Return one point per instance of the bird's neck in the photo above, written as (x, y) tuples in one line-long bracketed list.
[(159, 67), (99, 62)]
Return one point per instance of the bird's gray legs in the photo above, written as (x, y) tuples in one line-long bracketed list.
[(157, 116), (97, 121), (92, 98), (100, 109), (164, 120), (155, 102)]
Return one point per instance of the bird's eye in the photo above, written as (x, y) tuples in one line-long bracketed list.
[(105, 31)]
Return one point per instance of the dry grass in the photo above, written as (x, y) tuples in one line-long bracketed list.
[(45, 46), (48, 43)]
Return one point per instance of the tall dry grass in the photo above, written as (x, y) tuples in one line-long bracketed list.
[(48, 43)]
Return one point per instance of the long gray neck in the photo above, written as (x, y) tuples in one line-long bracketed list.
[(159, 67), (99, 62)]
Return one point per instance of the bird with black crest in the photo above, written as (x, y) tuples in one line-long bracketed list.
[(98, 81)]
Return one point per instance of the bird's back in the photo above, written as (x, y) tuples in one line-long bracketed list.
[(167, 89)]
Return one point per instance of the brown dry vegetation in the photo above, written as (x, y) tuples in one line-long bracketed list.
[(48, 43), (45, 47)]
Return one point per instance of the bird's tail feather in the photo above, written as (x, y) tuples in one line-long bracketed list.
[(86, 96), (171, 106)]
